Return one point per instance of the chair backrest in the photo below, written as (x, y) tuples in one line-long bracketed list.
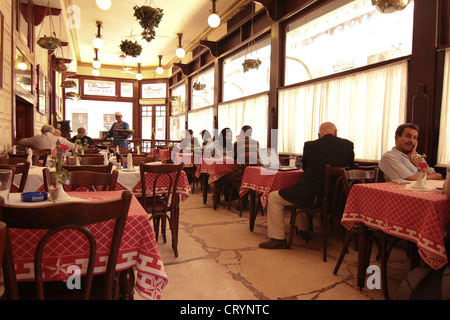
[(90, 179), (361, 175), (91, 159), (94, 180), (92, 151), (2, 241), (172, 173), (42, 154), (56, 217), (20, 168), (332, 188), (137, 158), (105, 168)]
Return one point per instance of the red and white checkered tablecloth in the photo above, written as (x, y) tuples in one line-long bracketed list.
[(189, 160), (418, 216), (138, 249), (183, 188), (163, 155), (216, 168), (265, 181)]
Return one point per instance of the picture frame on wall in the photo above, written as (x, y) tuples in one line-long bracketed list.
[(41, 91)]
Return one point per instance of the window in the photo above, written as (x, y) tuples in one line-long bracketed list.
[(154, 129), (203, 90), (177, 127), (366, 107), (99, 88), (202, 119), (236, 82), (96, 116), (252, 111), (345, 35), (178, 99)]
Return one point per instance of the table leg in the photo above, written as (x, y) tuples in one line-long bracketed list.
[(252, 207), (126, 284), (204, 179), (215, 195), (175, 223), (362, 256)]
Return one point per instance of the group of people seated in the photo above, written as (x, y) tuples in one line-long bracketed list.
[(400, 163)]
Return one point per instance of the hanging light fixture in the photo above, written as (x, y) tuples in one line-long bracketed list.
[(159, 70), (98, 42), (139, 75), (214, 19), (103, 4), (96, 63), (95, 72), (180, 51)]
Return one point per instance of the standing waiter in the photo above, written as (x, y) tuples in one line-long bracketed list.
[(120, 131)]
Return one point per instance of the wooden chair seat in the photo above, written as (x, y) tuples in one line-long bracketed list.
[(92, 159), (56, 217)]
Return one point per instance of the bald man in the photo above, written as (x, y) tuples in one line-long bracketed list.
[(308, 192)]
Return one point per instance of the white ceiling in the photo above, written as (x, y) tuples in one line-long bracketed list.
[(118, 23)]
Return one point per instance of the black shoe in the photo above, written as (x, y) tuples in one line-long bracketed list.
[(274, 244)]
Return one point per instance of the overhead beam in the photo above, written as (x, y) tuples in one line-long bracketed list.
[(212, 46), (40, 12)]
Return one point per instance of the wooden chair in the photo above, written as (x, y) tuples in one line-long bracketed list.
[(92, 159), (137, 158), (323, 211), (159, 205), (2, 241), (93, 181), (92, 151), (58, 217), (385, 242), (42, 154), (20, 168), (19, 158), (105, 168)]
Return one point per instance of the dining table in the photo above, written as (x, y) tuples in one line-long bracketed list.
[(260, 181), (421, 216), (214, 169), (139, 261)]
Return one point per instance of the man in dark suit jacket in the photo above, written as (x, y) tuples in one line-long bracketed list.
[(309, 189)]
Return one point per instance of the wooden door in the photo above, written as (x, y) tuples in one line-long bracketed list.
[(24, 119)]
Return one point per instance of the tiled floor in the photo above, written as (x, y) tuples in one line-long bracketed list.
[(219, 259)]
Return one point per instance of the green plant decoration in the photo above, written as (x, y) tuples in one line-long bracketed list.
[(149, 19), (131, 48), (197, 85), (49, 43), (249, 64)]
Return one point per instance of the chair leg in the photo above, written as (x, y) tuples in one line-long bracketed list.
[(324, 236), (344, 249), (292, 228), (174, 221)]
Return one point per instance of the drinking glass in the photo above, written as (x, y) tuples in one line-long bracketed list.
[(5, 183)]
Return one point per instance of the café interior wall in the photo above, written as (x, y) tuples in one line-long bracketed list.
[(6, 84)]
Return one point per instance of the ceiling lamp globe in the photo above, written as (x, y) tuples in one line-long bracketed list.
[(96, 72), (97, 43), (159, 70), (214, 20), (104, 4), (96, 64), (180, 52), (139, 76)]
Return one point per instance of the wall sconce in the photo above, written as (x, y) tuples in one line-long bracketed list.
[(103, 4), (214, 19), (159, 70), (139, 75), (98, 42), (180, 51), (96, 63)]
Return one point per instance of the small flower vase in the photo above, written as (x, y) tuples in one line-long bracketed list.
[(58, 193), (421, 180)]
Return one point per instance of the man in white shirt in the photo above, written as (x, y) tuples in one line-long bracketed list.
[(399, 163), (46, 140)]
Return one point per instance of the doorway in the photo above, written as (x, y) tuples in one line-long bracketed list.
[(24, 119)]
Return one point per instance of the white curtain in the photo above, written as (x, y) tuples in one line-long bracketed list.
[(201, 119), (443, 156), (252, 111), (366, 107)]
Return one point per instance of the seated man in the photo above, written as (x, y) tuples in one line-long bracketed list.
[(400, 163), (308, 192), (83, 137), (46, 140)]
